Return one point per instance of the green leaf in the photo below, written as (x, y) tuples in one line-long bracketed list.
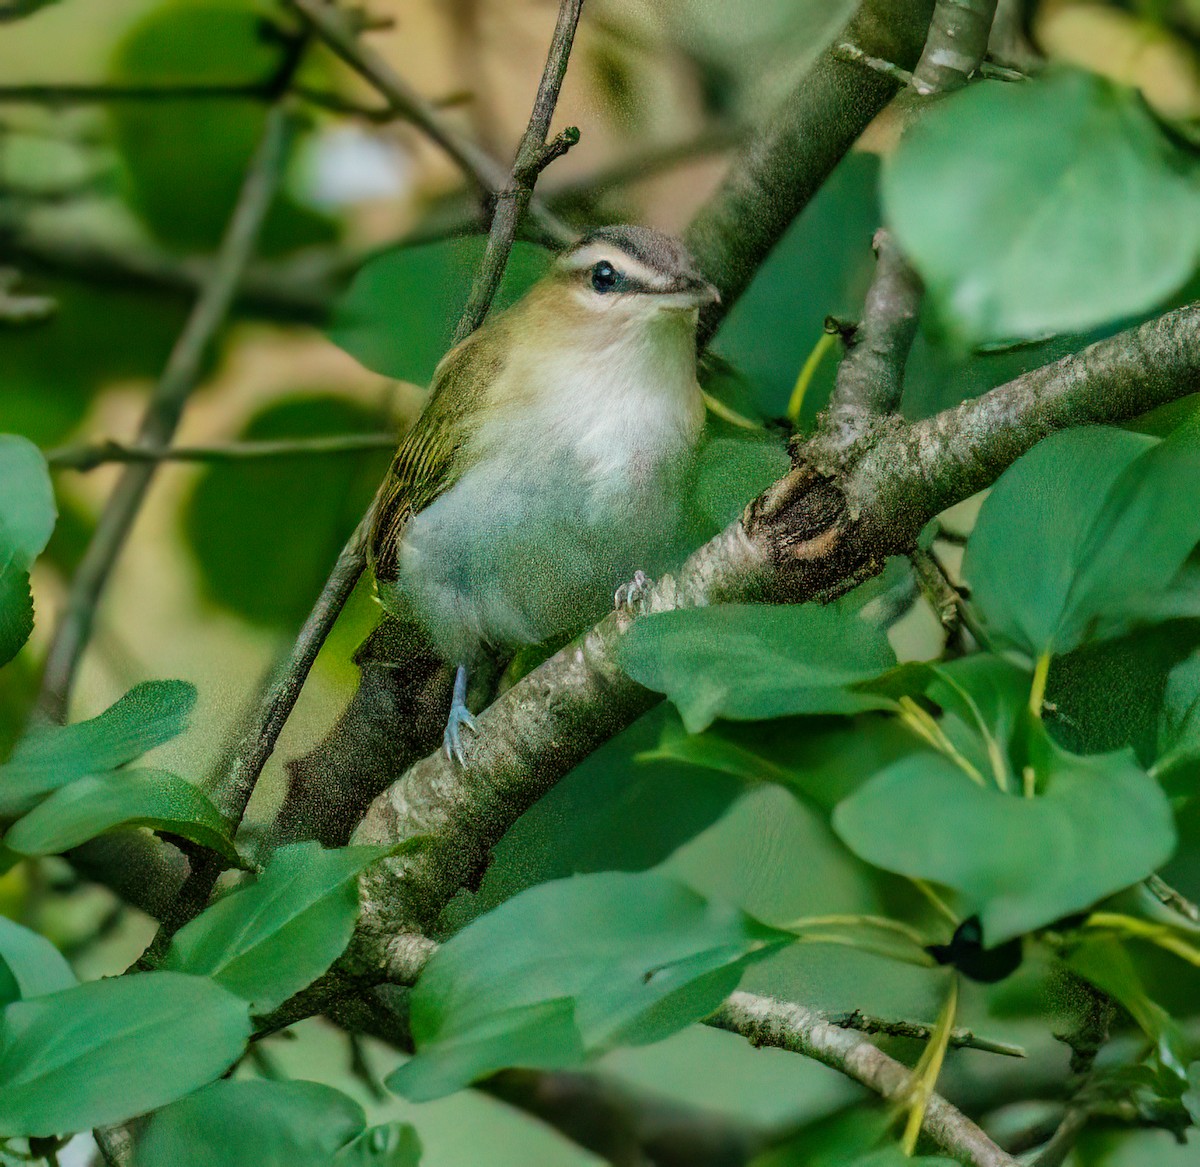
[(109, 1050), (274, 937), (239, 507), (1019, 863), (1179, 720), (1191, 1096), (571, 968), (30, 964), (27, 516), (97, 803), (50, 757), (732, 471), (1050, 207), (254, 1124), (397, 318), (1084, 525), (394, 1144), (756, 661)]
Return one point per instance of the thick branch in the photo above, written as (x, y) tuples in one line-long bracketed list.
[(957, 42), (828, 524), (763, 1021), (164, 411), (404, 101), (870, 378), (773, 178), (534, 154)]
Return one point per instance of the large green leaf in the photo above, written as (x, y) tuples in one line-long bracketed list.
[(186, 196), (274, 937), (50, 757), (29, 964), (265, 533), (272, 1124), (108, 1050), (571, 968), (1053, 206), (1020, 863), (1079, 532), (97, 803), (755, 661), (398, 315), (1179, 720), (26, 520)]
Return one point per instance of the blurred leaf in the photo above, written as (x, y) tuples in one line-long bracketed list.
[(49, 757), (186, 195), (1020, 863), (757, 661), (397, 317), (1048, 207), (1179, 724), (109, 1050), (1191, 1097), (733, 471), (571, 968), (266, 534), (26, 519), (274, 937), (258, 1124), (851, 1138), (1076, 528), (29, 964), (392, 1145), (91, 805)]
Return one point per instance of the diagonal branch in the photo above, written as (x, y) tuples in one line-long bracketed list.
[(765, 1021), (830, 523), (337, 32), (164, 412)]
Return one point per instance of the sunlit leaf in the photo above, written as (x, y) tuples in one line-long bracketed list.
[(29, 964), (27, 515)]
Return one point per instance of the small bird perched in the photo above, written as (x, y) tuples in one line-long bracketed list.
[(546, 466)]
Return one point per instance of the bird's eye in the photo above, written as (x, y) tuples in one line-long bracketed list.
[(604, 276)]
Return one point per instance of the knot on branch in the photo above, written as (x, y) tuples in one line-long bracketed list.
[(527, 169)]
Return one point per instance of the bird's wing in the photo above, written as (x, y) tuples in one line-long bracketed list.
[(435, 452)]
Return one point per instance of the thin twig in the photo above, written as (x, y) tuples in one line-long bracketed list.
[(88, 457), (870, 379), (955, 47), (767, 1022), (534, 154), (115, 1145), (1062, 1142), (164, 411), (341, 36), (1175, 900), (258, 742), (959, 1038)]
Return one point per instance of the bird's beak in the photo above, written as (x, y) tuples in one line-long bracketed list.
[(700, 292)]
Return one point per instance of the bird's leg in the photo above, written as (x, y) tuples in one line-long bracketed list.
[(631, 595), (460, 718)]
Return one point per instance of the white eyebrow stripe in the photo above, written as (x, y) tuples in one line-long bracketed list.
[(625, 263)]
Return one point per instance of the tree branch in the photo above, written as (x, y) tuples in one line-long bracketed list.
[(763, 1021), (88, 456), (773, 178), (829, 524), (959, 1038), (164, 411), (404, 101), (957, 42), (534, 154), (870, 379)]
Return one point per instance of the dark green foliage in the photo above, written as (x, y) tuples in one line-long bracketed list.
[(26, 520)]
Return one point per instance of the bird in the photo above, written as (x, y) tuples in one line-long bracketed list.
[(545, 470)]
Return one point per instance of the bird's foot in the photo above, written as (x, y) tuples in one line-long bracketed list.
[(632, 595), (460, 720)]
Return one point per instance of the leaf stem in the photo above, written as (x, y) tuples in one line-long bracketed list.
[(807, 372), (929, 1068)]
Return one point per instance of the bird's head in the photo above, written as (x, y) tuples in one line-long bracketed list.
[(631, 274)]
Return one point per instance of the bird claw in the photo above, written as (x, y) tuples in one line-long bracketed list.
[(630, 596), (460, 719)]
